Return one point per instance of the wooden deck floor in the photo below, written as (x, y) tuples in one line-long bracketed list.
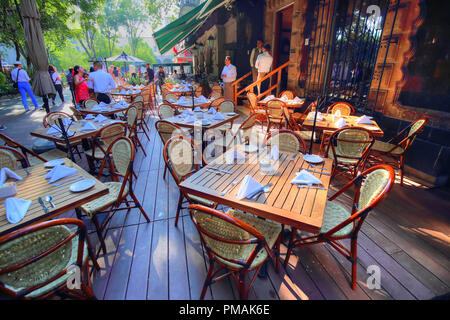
[(407, 237)]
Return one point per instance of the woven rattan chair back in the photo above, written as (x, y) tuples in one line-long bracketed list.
[(288, 94), (52, 118), (350, 145), (8, 158), (216, 103), (275, 109), (165, 111), (76, 114), (167, 130), (226, 237), (122, 153), (345, 109), (198, 91), (140, 110), (33, 257), (417, 127), (252, 101), (180, 153), (132, 116), (170, 97), (89, 103), (226, 106), (110, 133), (138, 98), (287, 141)]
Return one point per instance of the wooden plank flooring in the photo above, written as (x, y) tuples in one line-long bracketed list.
[(407, 236)]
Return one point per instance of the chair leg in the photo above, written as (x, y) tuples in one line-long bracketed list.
[(400, 171), (207, 280), (136, 201), (99, 233), (354, 261), (242, 290), (277, 254), (164, 175), (180, 201)]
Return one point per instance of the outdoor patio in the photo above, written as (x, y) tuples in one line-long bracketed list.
[(407, 236)]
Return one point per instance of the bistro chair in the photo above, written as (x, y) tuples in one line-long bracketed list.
[(296, 127), (261, 114), (287, 141), (139, 98), (395, 149), (89, 103), (38, 261), (300, 117), (76, 114), (289, 94), (9, 157), (120, 158), (148, 98), (179, 154), (275, 113), (338, 224), (167, 130), (104, 138), (345, 108), (349, 148), (224, 107), (140, 120), (51, 119), (216, 103), (198, 91), (32, 157), (237, 243), (170, 96), (131, 116), (166, 111)]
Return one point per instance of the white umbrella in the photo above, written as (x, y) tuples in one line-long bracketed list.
[(123, 57)]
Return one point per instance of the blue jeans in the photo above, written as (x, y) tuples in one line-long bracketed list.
[(24, 88)]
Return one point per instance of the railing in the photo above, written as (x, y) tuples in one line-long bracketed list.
[(258, 82)]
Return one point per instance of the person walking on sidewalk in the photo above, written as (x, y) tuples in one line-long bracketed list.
[(20, 76), (57, 83)]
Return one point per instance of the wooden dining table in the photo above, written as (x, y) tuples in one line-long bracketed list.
[(291, 106), (285, 203), (328, 123), (34, 185), (108, 110)]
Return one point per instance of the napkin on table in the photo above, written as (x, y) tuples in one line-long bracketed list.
[(364, 120), (100, 118), (189, 119), (304, 177), (235, 155), (16, 209), (59, 172), (311, 116), (187, 112), (53, 129), (88, 126), (67, 121), (248, 186), (6, 173), (212, 111), (340, 123), (89, 116), (218, 116), (197, 109)]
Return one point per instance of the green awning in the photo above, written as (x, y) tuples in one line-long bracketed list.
[(175, 32)]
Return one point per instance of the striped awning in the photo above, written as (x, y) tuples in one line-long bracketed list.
[(175, 32)]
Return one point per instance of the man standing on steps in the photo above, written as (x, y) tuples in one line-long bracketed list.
[(103, 83), (254, 55), (264, 64)]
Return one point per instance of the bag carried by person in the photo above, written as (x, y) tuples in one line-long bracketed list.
[(16, 83)]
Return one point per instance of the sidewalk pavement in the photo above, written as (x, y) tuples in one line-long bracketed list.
[(20, 123)]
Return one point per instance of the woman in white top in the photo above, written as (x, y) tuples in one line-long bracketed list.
[(57, 82)]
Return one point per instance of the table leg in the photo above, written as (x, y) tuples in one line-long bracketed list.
[(263, 271)]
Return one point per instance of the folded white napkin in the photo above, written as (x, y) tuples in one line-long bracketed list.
[(119, 106), (268, 98), (189, 119), (206, 122), (212, 111), (218, 116), (16, 209), (123, 91), (102, 104), (88, 126), (53, 129), (364, 120), (137, 90), (183, 98), (98, 108), (197, 109), (248, 186), (235, 155), (311, 116), (297, 100), (337, 113), (6, 173), (89, 116), (340, 123), (100, 118), (202, 99), (59, 172), (274, 153), (284, 98), (304, 177)]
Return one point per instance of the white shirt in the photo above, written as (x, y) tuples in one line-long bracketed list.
[(103, 82), (55, 77), (264, 62), (230, 72), (23, 75)]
